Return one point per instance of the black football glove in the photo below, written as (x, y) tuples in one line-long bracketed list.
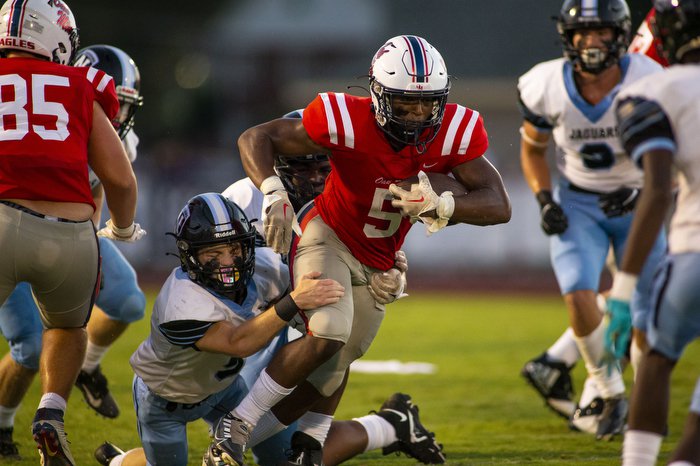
[(619, 202), (554, 221)]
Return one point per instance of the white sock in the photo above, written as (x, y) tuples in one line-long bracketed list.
[(640, 448), (316, 425), (117, 460), (589, 393), (267, 426), (93, 356), (565, 349), (7, 416), (52, 401), (380, 432), (635, 357), (591, 348), (681, 463), (695, 400), (265, 394)]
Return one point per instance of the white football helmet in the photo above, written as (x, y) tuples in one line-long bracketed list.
[(408, 67), (42, 27)]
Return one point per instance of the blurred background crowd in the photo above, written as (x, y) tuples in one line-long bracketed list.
[(209, 70)]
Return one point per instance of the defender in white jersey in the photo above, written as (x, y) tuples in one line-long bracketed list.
[(210, 314), (571, 100), (659, 119)]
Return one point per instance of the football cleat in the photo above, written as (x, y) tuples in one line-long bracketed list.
[(552, 380), (96, 393), (8, 448), (585, 419), (50, 438), (107, 452), (414, 439), (305, 451), (231, 436), (613, 418), (212, 457)]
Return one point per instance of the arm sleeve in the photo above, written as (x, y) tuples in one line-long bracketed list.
[(644, 126), (184, 333)]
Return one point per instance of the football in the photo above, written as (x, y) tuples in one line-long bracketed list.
[(439, 181)]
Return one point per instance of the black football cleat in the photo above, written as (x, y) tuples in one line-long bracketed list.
[(305, 451), (8, 447), (95, 391), (106, 453), (613, 418), (552, 380), (231, 437)]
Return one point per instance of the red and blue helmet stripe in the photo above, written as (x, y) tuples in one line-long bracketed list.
[(14, 26), (419, 59)]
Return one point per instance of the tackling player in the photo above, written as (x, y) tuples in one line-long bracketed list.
[(570, 99), (360, 220), (56, 123), (120, 300), (659, 118)]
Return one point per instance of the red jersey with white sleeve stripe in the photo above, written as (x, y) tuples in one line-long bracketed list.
[(46, 112), (356, 202), (644, 41)]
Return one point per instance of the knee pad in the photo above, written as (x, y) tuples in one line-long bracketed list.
[(27, 350)]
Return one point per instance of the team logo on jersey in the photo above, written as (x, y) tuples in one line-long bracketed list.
[(579, 134)]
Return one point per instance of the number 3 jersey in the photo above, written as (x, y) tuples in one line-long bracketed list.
[(46, 113), (356, 202), (588, 149), (168, 361), (663, 113)]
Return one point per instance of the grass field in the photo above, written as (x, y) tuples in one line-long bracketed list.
[(478, 405)]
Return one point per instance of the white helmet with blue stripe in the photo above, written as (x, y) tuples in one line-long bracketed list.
[(43, 27), (408, 67)]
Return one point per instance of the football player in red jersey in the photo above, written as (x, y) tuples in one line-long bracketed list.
[(361, 218), (56, 122), (645, 42)]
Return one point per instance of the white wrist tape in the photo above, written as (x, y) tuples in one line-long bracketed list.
[(446, 206), (123, 232), (271, 184), (532, 142), (623, 286)]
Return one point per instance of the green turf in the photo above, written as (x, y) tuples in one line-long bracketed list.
[(479, 407)]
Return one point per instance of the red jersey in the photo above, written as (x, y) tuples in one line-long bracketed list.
[(644, 41), (356, 202), (45, 124)]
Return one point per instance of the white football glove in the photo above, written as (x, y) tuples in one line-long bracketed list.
[(130, 234), (387, 287), (278, 217), (400, 261), (421, 201)]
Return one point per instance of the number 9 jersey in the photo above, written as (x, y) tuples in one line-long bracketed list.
[(46, 114), (356, 202), (588, 149)]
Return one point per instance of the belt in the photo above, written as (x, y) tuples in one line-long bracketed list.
[(37, 214), (171, 406), (579, 189)]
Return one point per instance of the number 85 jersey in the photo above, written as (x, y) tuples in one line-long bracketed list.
[(588, 149), (356, 202), (46, 113)]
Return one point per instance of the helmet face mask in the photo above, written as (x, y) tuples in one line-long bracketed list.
[(127, 80), (45, 28), (408, 72), (576, 17), (303, 177), (676, 25), (216, 243)]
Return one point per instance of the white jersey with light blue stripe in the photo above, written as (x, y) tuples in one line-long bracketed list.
[(180, 372), (589, 153), (677, 93)]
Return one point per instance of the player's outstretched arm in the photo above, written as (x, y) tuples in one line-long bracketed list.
[(486, 201), (251, 336), (110, 163)]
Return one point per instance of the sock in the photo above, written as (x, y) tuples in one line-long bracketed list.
[(93, 356), (640, 448), (681, 463), (380, 432), (591, 348), (565, 349), (265, 394), (316, 425), (267, 426), (695, 400), (117, 460), (52, 401), (589, 392), (7, 416)]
